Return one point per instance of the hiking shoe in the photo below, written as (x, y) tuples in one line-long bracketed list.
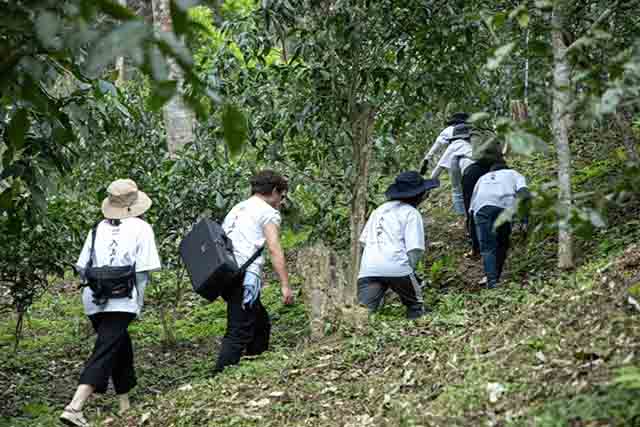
[(71, 417)]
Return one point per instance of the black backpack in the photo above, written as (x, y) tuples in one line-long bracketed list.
[(108, 282), (207, 253), (486, 145)]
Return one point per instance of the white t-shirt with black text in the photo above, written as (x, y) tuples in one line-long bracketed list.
[(393, 229), (131, 242), (497, 188), (244, 226)]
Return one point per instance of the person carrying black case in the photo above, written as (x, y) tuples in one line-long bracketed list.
[(207, 252), (250, 225)]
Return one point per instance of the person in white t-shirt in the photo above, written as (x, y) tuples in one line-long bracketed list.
[(393, 241), (250, 225), (456, 159), (121, 239), (445, 139), (494, 192)]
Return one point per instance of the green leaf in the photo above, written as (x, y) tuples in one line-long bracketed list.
[(122, 41), (523, 20), (47, 25), (6, 200), (500, 55), (179, 18), (610, 100), (162, 92), (220, 203), (115, 10), (107, 87), (525, 143), (498, 19), (234, 127), (18, 129)]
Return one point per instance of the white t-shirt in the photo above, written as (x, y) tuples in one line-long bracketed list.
[(244, 226), (497, 188), (130, 242), (458, 150), (393, 229), (442, 140)]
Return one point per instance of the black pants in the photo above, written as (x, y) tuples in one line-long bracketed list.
[(372, 290), (248, 329), (112, 354), (469, 179)]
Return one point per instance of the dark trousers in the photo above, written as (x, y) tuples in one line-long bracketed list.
[(248, 329), (494, 244), (471, 176), (372, 290), (112, 355)]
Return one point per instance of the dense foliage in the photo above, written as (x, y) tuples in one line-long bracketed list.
[(294, 77)]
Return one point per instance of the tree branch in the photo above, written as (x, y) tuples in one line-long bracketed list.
[(595, 25)]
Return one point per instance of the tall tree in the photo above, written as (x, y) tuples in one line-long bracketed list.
[(120, 63), (179, 119), (561, 128)]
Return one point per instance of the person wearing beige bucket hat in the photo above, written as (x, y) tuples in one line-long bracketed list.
[(125, 200), (122, 239)]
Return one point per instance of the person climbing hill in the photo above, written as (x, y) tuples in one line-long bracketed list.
[(444, 139), (394, 242), (495, 192)]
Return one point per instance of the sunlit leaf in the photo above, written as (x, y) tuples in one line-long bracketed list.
[(500, 55), (115, 10), (610, 100), (479, 117), (525, 143), (234, 127), (523, 20), (107, 87)]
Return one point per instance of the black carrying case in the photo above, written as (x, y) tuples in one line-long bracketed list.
[(207, 253)]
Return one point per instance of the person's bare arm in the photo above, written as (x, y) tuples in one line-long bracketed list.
[(271, 232)]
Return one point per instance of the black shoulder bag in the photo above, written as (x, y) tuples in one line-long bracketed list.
[(108, 282)]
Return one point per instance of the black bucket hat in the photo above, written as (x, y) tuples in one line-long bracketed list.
[(410, 184), (457, 118)]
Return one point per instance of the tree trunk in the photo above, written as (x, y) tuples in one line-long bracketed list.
[(178, 117), (561, 129), (120, 65), (362, 120), (623, 120), (323, 283)]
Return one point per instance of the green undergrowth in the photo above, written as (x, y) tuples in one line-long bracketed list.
[(546, 349), (553, 352)]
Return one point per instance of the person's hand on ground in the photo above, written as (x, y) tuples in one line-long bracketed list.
[(287, 295)]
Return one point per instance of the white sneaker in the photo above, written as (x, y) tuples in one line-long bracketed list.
[(71, 417)]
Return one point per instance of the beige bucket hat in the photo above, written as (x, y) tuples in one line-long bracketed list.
[(124, 200)]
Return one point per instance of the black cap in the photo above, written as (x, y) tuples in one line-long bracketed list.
[(458, 118)]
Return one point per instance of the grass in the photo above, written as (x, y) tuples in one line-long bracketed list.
[(563, 348)]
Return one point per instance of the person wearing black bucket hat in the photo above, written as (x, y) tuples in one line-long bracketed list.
[(393, 241)]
